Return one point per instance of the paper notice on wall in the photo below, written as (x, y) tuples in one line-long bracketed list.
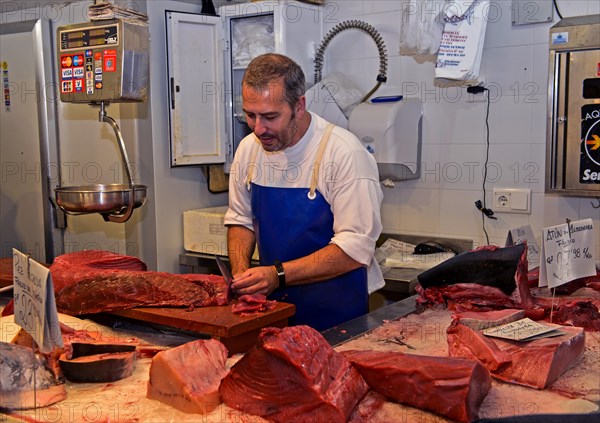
[(525, 234), (459, 56), (35, 307), (567, 253)]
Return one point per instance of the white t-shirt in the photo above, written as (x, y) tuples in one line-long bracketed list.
[(348, 180)]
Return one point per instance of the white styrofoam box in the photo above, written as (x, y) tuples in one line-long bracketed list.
[(204, 231)]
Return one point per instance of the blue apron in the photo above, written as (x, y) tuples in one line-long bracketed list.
[(290, 223)]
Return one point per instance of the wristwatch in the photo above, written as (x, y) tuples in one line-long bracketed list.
[(280, 272)]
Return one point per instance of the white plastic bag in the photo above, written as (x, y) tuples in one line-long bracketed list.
[(422, 26), (461, 48)]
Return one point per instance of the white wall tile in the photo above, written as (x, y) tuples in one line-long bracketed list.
[(509, 165), (346, 44), (515, 68), (454, 122), (378, 6), (558, 208), (541, 31), (539, 118), (510, 120), (336, 11), (509, 68), (569, 8), (539, 72), (593, 9), (461, 166), (535, 170), (588, 211), (458, 214), (414, 211), (500, 32)]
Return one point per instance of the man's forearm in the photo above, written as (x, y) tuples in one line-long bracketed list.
[(240, 247), (326, 263)]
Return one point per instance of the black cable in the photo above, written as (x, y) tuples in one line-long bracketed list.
[(556, 7), (483, 207)]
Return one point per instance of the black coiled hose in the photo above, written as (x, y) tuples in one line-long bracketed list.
[(363, 26)]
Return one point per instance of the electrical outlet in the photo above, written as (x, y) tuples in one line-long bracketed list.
[(511, 200)]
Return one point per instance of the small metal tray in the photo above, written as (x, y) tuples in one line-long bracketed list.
[(100, 198)]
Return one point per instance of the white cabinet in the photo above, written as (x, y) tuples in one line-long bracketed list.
[(195, 69), (207, 122)]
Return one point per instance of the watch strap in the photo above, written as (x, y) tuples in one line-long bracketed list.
[(280, 272)]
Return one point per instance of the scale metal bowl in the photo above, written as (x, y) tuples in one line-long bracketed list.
[(100, 198)]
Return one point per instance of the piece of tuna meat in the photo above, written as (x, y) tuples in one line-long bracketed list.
[(487, 278), (293, 375), (187, 377), (20, 372), (451, 387), (540, 362), (95, 368), (582, 314), (465, 342), (250, 305), (99, 281), (481, 320)]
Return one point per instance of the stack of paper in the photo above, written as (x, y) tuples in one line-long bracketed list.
[(105, 10), (459, 56)]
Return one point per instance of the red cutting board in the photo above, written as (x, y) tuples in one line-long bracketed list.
[(237, 332)]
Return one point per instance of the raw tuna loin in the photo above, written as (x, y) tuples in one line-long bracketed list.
[(536, 363), (188, 377), (99, 281), (451, 387), (293, 375)]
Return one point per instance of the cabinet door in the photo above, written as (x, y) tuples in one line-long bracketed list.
[(195, 80)]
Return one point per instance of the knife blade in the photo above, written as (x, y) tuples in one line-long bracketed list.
[(225, 272)]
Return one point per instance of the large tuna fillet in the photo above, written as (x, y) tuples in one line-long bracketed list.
[(486, 278), (540, 362), (293, 375), (451, 387), (188, 377), (98, 281), (536, 363), (20, 371)]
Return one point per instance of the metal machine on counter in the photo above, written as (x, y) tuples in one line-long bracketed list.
[(573, 149), (102, 62)]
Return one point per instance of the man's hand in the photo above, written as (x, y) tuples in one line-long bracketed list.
[(256, 280)]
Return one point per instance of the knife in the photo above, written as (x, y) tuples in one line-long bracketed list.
[(226, 274)]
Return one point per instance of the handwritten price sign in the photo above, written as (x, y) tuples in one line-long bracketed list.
[(567, 253), (35, 308)]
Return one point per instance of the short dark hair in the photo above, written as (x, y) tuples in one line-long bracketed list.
[(272, 67)]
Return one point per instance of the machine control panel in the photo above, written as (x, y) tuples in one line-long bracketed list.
[(103, 61)]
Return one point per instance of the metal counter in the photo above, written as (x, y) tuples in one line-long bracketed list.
[(356, 327)]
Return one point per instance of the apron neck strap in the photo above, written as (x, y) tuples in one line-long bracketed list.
[(315, 171), (252, 162)]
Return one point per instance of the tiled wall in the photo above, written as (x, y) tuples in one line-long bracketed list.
[(515, 64)]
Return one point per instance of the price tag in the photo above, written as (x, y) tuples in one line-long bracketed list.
[(35, 307), (520, 235), (523, 330), (567, 253)]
